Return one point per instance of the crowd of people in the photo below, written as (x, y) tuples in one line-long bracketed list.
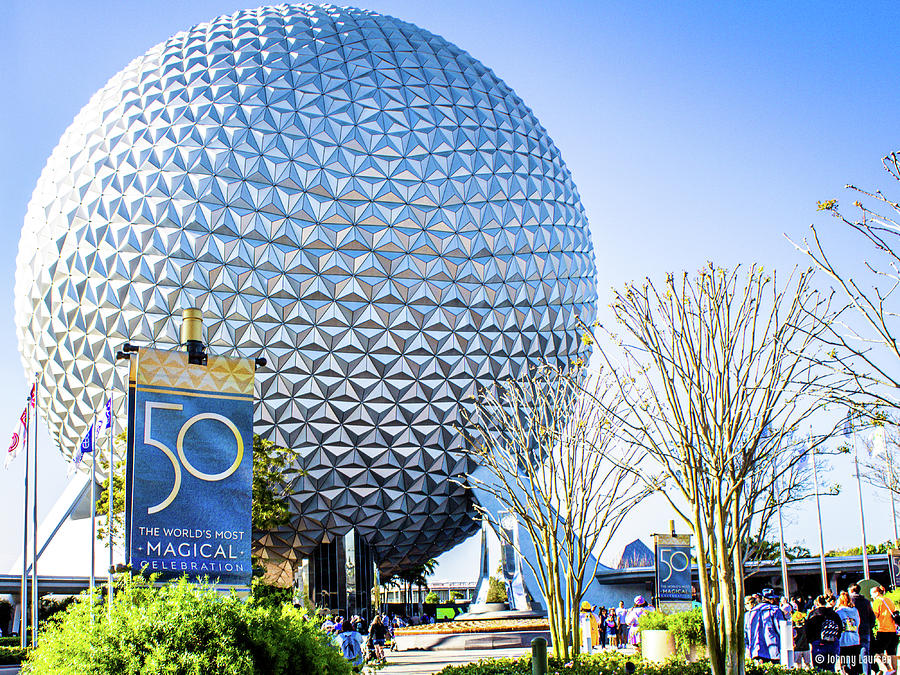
[(361, 642), (848, 632), (611, 627)]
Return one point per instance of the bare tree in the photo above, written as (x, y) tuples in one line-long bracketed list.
[(551, 458), (718, 370), (868, 349)]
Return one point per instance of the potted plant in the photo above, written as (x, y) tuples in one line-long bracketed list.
[(690, 637), (657, 641)]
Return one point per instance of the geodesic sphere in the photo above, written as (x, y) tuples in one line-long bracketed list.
[(349, 195)]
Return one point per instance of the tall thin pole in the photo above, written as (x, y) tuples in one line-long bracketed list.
[(892, 486), (109, 521), (894, 517), (93, 514), (34, 519), (23, 613), (819, 516), (784, 569), (862, 516)]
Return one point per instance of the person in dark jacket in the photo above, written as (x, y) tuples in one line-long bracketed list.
[(866, 625), (823, 630)]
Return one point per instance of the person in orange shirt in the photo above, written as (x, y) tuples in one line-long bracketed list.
[(886, 629)]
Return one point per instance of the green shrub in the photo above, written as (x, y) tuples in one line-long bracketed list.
[(12, 655), (610, 663), (496, 590), (686, 627), (268, 594), (653, 621), (184, 629)]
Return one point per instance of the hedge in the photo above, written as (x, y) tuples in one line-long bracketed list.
[(12, 655), (611, 663), (182, 629)]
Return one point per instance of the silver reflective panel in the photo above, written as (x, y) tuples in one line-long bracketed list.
[(353, 197)]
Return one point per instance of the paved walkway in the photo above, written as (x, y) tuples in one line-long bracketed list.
[(429, 662)]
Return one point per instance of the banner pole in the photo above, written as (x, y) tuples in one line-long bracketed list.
[(34, 519), (93, 517), (819, 516), (784, 567), (23, 601), (109, 521)]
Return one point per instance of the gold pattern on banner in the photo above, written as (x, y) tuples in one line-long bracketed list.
[(221, 374)]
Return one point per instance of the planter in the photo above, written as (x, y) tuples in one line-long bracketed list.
[(696, 653), (492, 607), (657, 645)]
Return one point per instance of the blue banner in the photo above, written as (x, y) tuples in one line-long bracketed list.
[(673, 568), (191, 467)]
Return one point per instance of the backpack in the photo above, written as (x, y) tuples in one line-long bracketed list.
[(350, 648), (831, 630)]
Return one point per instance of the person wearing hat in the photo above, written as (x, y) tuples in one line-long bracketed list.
[(634, 614), (762, 635), (589, 627)]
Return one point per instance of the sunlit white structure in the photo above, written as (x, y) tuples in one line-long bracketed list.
[(353, 197)]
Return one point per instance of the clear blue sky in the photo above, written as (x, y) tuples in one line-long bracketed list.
[(694, 131)]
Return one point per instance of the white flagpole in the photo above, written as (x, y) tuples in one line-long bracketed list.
[(23, 613), (894, 516), (34, 519), (93, 512), (862, 517), (784, 570), (109, 520), (819, 516)]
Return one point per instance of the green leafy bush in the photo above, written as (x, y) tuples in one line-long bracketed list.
[(496, 590), (610, 663), (11, 655), (183, 629), (653, 621), (686, 627)]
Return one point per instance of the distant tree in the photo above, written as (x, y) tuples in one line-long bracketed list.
[(432, 598), (496, 590), (456, 595), (762, 549), (273, 475), (872, 549), (415, 576)]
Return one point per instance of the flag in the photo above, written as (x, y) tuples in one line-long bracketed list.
[(108, 411), (87, 444), (804, 450), (847, 426), (20, 433), (879, 442), (19, 437)]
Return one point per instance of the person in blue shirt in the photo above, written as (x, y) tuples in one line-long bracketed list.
[(351, 644), (762, 634)]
